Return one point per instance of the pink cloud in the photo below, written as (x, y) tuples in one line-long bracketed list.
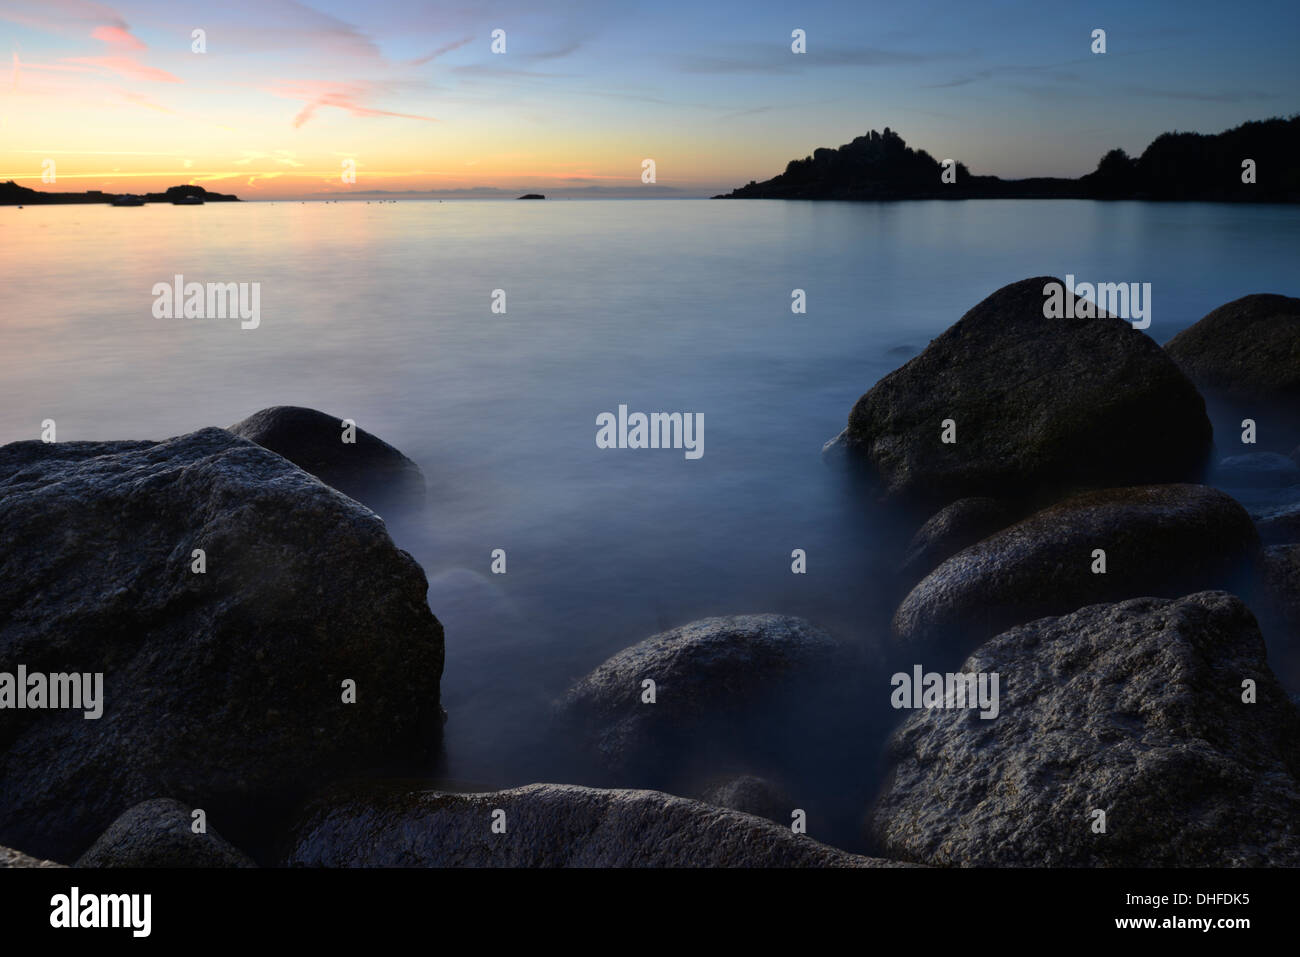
[(347, 98), (126, 67), (116, 36)]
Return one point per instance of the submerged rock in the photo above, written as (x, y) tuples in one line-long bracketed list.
[(752, 795), (159, 833), (1164, 540), (549, 825), (705, 674), (1257, 470), (1281, 581), (963, 523), (1246, 354), (223, 688), (1038, 406), (1134, 709), (1279, 526), (368, 470)]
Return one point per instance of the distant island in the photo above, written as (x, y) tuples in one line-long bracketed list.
[(532, 196), (11, 194), (1176, 166)]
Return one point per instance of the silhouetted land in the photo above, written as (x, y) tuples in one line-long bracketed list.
[(11, 194), (1176, 166)]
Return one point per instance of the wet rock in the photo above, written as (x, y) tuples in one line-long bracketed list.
[(1281, 580), (1163, 540), (1039, 406), (223, 689), (159, 833), (1245, 356), (549, 825), (752, 795), (705, 675), (1257, 470), (1279, 526), (368, 470), (1135, 709), (963, 523)]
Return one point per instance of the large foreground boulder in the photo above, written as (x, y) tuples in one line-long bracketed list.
[(549, 825), (224, 688), (160, 833), (705, 676), (1163, 540), (1038, 405), (1133, 709), (1246, 355), (367, 469)]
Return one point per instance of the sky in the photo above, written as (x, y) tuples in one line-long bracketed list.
[(287, 94)]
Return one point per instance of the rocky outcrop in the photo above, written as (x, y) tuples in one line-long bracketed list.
[(1133, 709), (1035, 406), (1163, 540), (222, 684), (548, 825), (705, 676), (1245, 355), (160, 833), (368, 469)]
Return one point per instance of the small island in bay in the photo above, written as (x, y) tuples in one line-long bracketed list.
[(532, 196), (11, 194), (1176, 166)]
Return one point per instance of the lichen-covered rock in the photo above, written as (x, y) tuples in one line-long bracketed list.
[(222, 688), (548, 825), (1039, 406), (1135, 709), (160, 833), (705, 674), (1162, 540), (367, 469)]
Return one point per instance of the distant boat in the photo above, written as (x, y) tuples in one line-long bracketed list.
[(127, 199), (188, 201)]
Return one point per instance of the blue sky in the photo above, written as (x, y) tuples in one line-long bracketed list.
[(585, 91)]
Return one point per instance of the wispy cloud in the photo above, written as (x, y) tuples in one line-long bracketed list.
[(764, 59)]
